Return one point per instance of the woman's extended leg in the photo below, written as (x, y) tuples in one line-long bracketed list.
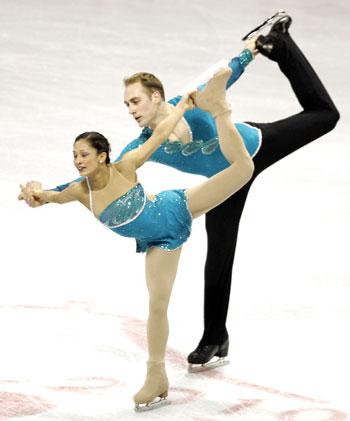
[(212, 192), (219, 187), (161, 268)]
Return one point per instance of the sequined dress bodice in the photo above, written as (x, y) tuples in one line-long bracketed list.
[(125, 208), (163, 222)]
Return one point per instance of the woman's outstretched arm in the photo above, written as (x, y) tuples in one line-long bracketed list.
[(70, 194)]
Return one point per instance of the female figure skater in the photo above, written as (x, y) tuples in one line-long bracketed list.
[(160, 224)]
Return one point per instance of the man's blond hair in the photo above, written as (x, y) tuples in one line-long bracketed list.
[(148, 81)]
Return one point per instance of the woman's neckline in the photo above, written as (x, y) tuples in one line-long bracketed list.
[(106, 185)]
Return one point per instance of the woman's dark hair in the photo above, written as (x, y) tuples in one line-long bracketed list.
[(96, 141)]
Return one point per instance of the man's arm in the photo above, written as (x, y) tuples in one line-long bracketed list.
[(237, 64), (62, 187), (136, 143)]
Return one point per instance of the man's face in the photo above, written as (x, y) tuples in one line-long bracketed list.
[(142, 106)]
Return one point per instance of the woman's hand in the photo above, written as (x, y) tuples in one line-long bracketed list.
[(27, 194), (39, 195), (187, 102)]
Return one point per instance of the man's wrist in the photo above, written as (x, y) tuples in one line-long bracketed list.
[(245, 57)]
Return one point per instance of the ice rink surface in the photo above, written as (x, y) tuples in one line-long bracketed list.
[(73, 301)]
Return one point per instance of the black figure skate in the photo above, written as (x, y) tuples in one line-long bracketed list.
[(201, 358), (266, 24)]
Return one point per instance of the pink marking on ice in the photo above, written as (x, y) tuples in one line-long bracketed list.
[(135, 329), (243, 405), (293, 414), (20, 405), (87, 384), (187, 395), (217, 375), (9, 381)]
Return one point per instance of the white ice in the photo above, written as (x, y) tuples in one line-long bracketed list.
[(73, 301)]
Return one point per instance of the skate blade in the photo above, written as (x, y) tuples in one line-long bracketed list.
[(267, 23), (197, 368), (152, 405)]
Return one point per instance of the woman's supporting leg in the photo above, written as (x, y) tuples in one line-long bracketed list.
[(215, 190), (161, 268)]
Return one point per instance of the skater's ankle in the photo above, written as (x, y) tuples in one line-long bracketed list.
[(156, 362)]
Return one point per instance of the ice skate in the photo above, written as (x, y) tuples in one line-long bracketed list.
[(213, 97), (263, 26), (203, 357), (154, 392), (270, 44)]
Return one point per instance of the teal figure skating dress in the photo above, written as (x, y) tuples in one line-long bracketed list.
[(163, 222)]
